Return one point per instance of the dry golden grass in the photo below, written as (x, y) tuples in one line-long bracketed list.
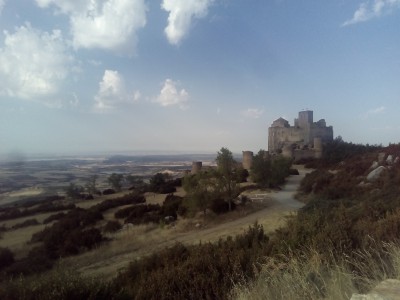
[(17, 240), (39, 217)]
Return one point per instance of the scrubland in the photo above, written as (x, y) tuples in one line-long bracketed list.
[(343, 240)]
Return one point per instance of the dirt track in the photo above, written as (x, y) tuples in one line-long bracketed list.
[(277, 205), (280, 204)]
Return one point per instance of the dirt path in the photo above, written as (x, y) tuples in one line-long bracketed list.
[(278, 205), (281, 204)]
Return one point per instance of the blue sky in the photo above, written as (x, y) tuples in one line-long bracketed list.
[(193, 75)]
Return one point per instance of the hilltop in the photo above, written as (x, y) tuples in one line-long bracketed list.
[(343, 239)]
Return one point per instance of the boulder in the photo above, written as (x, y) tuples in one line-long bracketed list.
[(396, 160), (374, 165), (390, 160), (381, 157), (388, 289), (375, 174)]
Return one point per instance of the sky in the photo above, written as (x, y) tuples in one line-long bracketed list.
[(92, 76)]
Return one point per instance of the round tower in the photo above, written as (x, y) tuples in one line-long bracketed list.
[(196, 167), (247, 160), (318, 147)]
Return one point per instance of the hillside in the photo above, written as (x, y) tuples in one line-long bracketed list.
[(344, 240)]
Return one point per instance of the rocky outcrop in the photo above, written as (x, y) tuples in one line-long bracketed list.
[(375, 174), (386, 290)]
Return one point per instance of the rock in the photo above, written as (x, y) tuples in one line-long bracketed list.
[(375, 174), (374, 165), (396, 160), (386, 290), (364, 184), (127, 226), (381, 157), (389, 160), (198, 225)]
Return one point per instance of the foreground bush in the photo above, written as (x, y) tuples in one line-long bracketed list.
[(205, 271), (60, 285)]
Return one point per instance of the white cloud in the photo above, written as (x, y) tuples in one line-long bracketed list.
[(112, 92), (372, 9), (107, 24), (33, 63), (2, 2), (181, 15), (375, 111), (171, 95), (252, 113)]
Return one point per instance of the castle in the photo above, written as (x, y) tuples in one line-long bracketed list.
[(303, 140)]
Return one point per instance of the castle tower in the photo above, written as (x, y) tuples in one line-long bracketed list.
[(318, 147), (196, 167), (247, 161), (305, 119)]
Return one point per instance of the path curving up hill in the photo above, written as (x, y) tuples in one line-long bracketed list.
[(278, 205)]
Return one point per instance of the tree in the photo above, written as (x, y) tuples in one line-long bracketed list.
[(200, 189), (261, 169), (116, 181), (91, 185), (74, 191), (269, 172), (226, 175), (135, 181)]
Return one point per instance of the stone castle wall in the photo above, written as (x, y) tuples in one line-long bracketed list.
[(300, 137)]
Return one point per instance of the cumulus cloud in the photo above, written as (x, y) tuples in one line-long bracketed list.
[(372, 9), (33, 63), (252, 113), (181, 15), (112, 92), (170, 95), (108, 24)]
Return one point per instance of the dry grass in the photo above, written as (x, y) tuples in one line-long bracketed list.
[(17, 240), (310, 277)]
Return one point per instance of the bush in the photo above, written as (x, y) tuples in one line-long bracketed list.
[(140, 214), (131, 198), (59, 284), (54, 217), (67, 236), (112, 226), (26, 223), (205, 271), (220, 206), (37, 261), (171, 206), (108, 192), (6, 257)]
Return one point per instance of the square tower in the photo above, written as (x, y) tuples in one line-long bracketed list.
[(305, 119)]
